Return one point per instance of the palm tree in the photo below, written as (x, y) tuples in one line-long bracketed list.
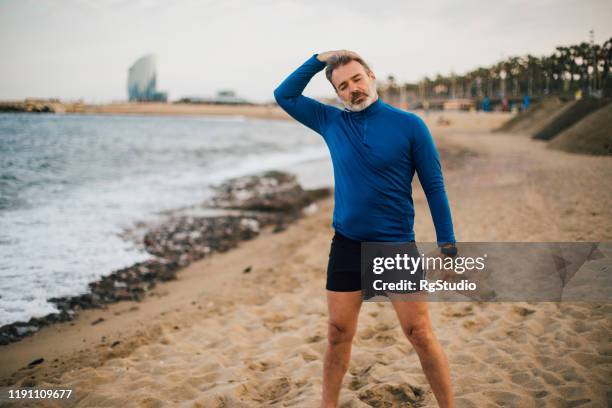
[(585, 66), (606, 58)]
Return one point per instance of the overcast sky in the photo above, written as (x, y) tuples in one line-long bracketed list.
[(74, 49)]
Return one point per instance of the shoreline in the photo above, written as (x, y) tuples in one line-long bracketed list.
[(260, 111), (241, 207), (99, 330)]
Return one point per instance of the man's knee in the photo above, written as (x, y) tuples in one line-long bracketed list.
[(339, 333), (420, 335)]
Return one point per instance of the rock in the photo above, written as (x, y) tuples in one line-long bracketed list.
[(270, 191), (26, 330), (36, 362), (269, 199), (279, 228)]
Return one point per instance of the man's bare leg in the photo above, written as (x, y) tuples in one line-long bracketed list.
[(343, 310), (416, 325)]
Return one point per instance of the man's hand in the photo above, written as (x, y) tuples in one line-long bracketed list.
[(448, 275), (325, 56), (449, 250)]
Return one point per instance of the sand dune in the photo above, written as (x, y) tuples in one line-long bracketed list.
[(533, 118), (581, 126), (592, 135), (571, 113)]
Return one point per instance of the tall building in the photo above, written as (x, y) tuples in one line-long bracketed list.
[(142, 78)]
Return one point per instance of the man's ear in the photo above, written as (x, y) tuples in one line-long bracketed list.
[(371, 75)]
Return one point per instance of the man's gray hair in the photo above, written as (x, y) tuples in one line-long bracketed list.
[(340, 60)]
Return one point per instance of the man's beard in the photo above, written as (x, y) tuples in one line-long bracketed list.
[(367, 99)]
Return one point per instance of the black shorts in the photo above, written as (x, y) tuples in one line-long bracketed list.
[(344, 265)]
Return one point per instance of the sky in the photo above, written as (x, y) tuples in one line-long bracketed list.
[(82, 49)]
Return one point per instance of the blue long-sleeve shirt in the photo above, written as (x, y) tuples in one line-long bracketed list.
[(374, 153)]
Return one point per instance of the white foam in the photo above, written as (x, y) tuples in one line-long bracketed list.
[(69, 237)]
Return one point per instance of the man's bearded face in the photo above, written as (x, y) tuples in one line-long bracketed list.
[(355, 87)]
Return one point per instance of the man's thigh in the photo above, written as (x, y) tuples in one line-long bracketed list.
[(412, 310), (343, 308)]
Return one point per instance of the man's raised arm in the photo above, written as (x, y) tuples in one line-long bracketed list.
[(305, 110)]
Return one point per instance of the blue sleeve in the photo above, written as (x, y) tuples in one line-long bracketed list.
[(427, 163), (305, 110)]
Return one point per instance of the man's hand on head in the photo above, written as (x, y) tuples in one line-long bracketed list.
[(325, 56)]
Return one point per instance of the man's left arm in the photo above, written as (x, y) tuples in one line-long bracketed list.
[(427, 163)]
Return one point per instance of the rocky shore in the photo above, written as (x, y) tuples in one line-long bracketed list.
[(41, 106), (242, 206)]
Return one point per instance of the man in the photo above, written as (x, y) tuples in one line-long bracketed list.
[(375, 150)]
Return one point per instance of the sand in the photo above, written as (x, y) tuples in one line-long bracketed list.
[(179, 109), (591, 135), (219, 337), (571, 113), (533, 118)]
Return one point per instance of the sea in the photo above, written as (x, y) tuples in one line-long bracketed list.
[(70, 185)]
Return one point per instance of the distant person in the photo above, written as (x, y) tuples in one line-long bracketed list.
[(505, 105), (525, 102), (486, 104), (375, 149)]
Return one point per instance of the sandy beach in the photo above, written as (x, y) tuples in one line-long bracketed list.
[(260, 111), (222, 337), (252, 111)]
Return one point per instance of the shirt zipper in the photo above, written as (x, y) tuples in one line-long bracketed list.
[(365, 128)]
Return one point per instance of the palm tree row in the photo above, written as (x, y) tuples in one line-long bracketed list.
[(585, 67)]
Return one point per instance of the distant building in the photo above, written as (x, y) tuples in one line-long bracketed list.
[(229, 96), (459, 104), (142, 81), (224, 97)]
